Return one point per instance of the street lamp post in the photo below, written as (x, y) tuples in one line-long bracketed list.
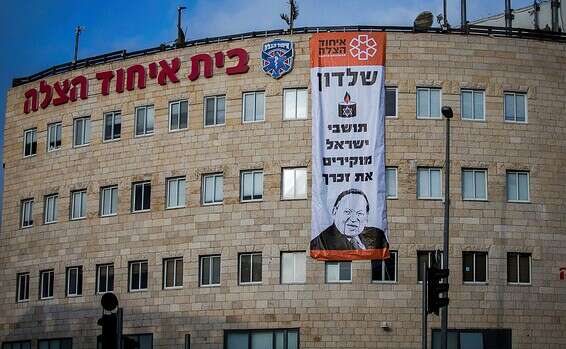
[(448, 114)]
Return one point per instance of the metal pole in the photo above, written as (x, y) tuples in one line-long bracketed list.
[(445, 253), (424, 329), (445, 20), (508, 15), (78, 31), (463, 15)]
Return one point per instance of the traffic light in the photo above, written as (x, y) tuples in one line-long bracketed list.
[(109, 323), (435, 289)]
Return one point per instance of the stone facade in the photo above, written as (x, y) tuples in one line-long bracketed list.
[(328, 315)]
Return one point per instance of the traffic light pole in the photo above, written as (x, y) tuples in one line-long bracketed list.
[(446, 252), (424, 329)]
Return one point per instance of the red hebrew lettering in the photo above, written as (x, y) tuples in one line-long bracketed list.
[(169, 72), (243, 58), (120, 80), (62, 92), (106, 77), (47, 90), (82, 83), (195, 66), (31, 101), (152, 70), (132, 71), (219, 59)]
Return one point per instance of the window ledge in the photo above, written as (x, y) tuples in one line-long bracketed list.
[(138, 290), (476, 283), (253, 121), (252, 200), (211, 285), (47, 223), (142, 211), (173, 288), (81, 145), (519, 284), (429, 117), (144, 135), (108, 215), (473, 120), (477, 200), (293, 283), (23, 301), (74, 295), (515, 122), (111, 140), (45, 298), (77, 219), (30, 156), (26, 226), (519, 201), (384, 282), (178, 130), (253, 283), (294, 199), (53, 150), (174, 207), (430, 199), (338, 282), (391, 197), (214, 125), (296, 119), (213, 203)]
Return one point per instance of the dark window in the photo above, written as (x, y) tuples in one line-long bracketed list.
[(17, 345), (187, 341), (214, 110), (250, 268), (338, 271), (251, 187), (46, 278), (141, 196), (139, 341), (391, 101), (428, 258), (105, 278), (112, 125), (262, 339), (30, 142), (26, 219), (81, 131), (22, 292), (60, 343), (474, 266), (172, 272), (74, 278), (50, 208), (138, 275), (54, 136), (474, 339), (145, 120), (78, 204), (178, 115), (518, 268), (385, 270), (210, 270)]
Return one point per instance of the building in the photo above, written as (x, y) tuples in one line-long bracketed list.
[(183, 192)]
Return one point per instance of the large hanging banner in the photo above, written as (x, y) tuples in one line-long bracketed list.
[(349, 216)]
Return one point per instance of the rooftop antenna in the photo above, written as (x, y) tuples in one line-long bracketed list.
[(293, 14), (78, 31), (180, 34), (445, 25)]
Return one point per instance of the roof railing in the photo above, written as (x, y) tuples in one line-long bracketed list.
[(123, 54)]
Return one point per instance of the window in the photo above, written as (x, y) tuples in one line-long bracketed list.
[(262, 339), (293, 267), (338, 272), (145, 120), (391, 182), (54, 136), (385, 270), (254, 106), (50, 209), (518, 186), (187, 341), (74, 281), (294, 183), (176, 192), (27, 213), (474, 184), (515, 106), (429, 183), (22, 287), (30, 142), (213, 188), (178, 115), (472, 105), (104, 278), (46, 284), (17, 345), (391, 102), (250, 268), (112, 125), (474, 266), (173, 273), (78, 204), (518, 268), (214, 110), (138, 276), (428, 258), (251, 187), (81, 131), (60, 343), (139, 341), (141, 196), (474, 338), (109, 201), (295, 104), (428, 103), (210, 270)]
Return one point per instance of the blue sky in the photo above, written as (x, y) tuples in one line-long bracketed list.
[(37, 34)]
